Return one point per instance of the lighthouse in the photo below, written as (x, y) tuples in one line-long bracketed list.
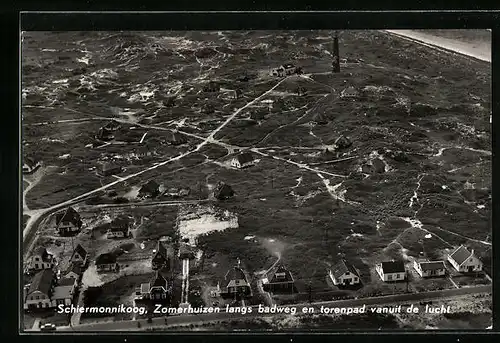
[(335, 53)]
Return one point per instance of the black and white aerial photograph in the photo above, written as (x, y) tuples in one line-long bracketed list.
[(314, 180)]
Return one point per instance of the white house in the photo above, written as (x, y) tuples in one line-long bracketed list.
[(285, 69), (464, 260), (391, 271), (243, 160), (156, 289), (41, 259), (68, 221), (430, 268), (39, 292), (344, 274)]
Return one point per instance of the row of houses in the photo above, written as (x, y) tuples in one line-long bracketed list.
[(48, 288), (462, 260)]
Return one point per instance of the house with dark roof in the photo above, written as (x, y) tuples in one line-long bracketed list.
[(149, 190), (429, 268), (464, 261), (343, 273), (75, 271), (391, 271), (236, 284), (119, 228), (108, 169), (156, 289), (79, 255), (176, 139), (223, 191), (278, 280), (105, 134), (285, 69), (112, 125), (68, 221), (41, 259), (30, 164), (186, 252), (106, 263), (243, 160), (39, 292), (160, 258)]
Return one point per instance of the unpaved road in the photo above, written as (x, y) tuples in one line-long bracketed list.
[(478, 50)]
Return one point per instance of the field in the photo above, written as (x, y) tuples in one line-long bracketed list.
[(412, 178)]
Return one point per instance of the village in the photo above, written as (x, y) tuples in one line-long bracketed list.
[(251, 185)]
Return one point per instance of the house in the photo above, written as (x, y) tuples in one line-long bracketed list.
[(119, 228), (149, 190), (79, 256), (112, 125), (243, 160), (30, 165), (285, 69), (64, 292), (39, 292), (223, 191), (106, 263), (279, 280), (186, 252), (105, 134), (156, 289), (391, 271), (68, 221), (345, 274), (176, 139), (465, 261), (237, 283), (74, 271), (349, 92), (177, 192), (108, 169), (160, 258), (429, 268), (41, 259)]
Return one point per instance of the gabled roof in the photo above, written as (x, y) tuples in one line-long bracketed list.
[(67, 281), (119, 224), (177, 138), (106, 258), (80, 251), (158, 281), (62, 292), (288, 66), (341, 267), (149, 187), (68, 216), (244, 157), (42, 281), (271, 276), (434, 265), (223, 190), (30, 161), (75, 268), (235, 276), (161, 251), (460, 254), (112, 125), (393, 267), (40, 251)]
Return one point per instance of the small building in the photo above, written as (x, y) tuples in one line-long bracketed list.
[(223, 191), (106, 263), (79, 256), (160, 258), (112, 125), (236, 283), (41, 260), (391, 271), (243, 160), (464, 261), (68, 221), (285, 70), (30, 165), (105, 134), (344, 274), (39, 292), (108, 169), (75, 271), (156, 289), (429, 268), (177, 192), (279, 280), (176, 139), (119, 228), (349, 92), (149, 190), (186, 252), (64, 292)]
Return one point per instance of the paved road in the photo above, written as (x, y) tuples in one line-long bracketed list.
[(414, 298), (480, 52)]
